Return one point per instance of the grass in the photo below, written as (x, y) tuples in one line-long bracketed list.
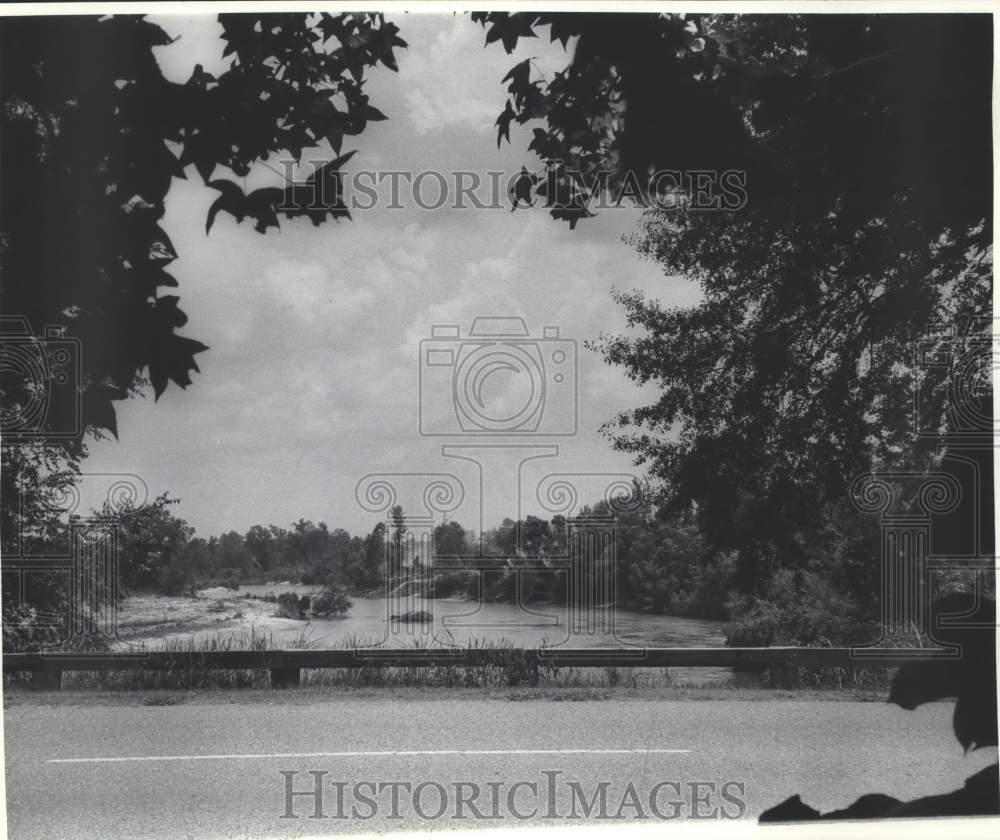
[(506, 668)]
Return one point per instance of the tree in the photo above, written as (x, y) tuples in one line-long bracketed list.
[(555, 539), (310, 546), (89, 117), (331, 602), (194, 564), (450, 540), (535, 535), (398, 541), (505, 537), (232, 554), (92, 136), (149, 539), (374, 556), (813, 107), (37, 484), (259, 542), (865, 142)]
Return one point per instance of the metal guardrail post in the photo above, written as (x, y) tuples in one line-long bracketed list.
[(533, 670), (285, 677), (785, 674), (45, 679)]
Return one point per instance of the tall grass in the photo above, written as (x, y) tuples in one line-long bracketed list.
[(193, 674), (505, 666)]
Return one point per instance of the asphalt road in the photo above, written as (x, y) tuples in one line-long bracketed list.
[(214, 769)]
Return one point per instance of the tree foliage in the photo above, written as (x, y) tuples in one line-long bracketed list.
[(816, 108), (148, 538), (866, 145), (93, 136)]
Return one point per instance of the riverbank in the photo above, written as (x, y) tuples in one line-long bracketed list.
[(224, 619), (455, 622)]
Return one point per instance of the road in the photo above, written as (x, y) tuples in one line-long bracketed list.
[(214, 769)]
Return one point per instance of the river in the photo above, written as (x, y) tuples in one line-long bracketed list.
[(455, 622)]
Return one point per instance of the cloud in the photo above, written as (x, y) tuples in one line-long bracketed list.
[(442, 95), (453, 82), (312, 377)]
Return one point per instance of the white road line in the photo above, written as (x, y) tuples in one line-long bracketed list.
[(356, 754)]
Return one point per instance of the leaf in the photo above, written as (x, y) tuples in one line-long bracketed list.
[(98, 412), (261, 197), (173, 361), (519, 75), (320, 196), (546, 145), (231, 201), (503, 123), (262, 205), (509, 29), (161, 250), (563, 28), (199, 78), (335, 133), (332, 27), (168, 313), (205, 167)]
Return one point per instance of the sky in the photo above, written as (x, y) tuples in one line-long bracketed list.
[(313, 376)]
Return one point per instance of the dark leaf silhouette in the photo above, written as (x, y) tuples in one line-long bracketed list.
[(124, 133), (232, 201), (503, 122), (970, 677), (518, 76), (967, 622), (320, 196)]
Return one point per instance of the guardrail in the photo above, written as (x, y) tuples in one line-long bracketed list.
[(285, 666)]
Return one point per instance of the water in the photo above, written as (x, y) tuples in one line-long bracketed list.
[(462, 623), (458, 622)]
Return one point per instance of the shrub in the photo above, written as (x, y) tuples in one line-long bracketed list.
[(230, 579), (25, 630), (331, 602), (289, 606), (798, 610), (173, 580), (413, 617)]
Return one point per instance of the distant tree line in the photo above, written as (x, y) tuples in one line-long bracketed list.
[(664, 564), (866, 144), (663, 561)]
